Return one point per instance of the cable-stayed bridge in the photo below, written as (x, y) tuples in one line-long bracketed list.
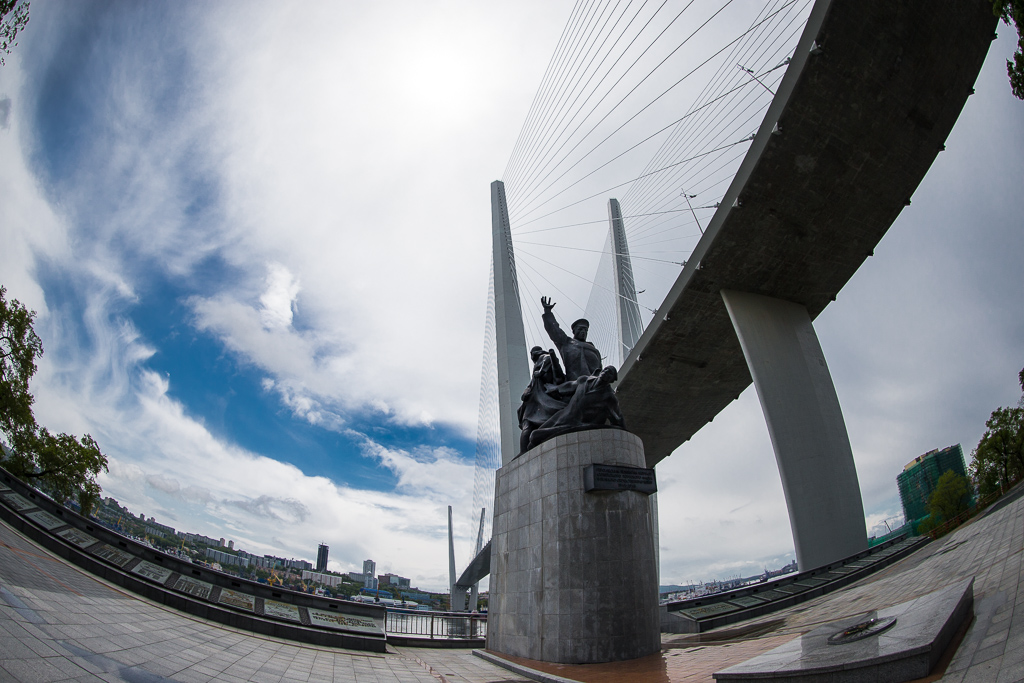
[(758, 155)]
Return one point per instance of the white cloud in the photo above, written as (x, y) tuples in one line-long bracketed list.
[(279, 297)]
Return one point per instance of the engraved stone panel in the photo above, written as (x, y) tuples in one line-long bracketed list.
[(79, 538), (112, 554), (237, 600), (17, 502), (705, 611), (792, 588), (747, 601), (343, 622), (772, 595), (599, 477), (281, 610), (200, 589), (151, 571), (45, 519), (812, 582)]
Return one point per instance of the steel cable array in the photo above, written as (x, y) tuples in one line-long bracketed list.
[(651, 102)]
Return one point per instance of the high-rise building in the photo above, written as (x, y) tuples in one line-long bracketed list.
[(369, 574), (321, 558), (390, 579), (921, 475)]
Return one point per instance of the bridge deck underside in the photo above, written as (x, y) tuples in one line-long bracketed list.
[(865, 119)]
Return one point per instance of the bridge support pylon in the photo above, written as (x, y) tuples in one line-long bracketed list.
[(513, 355), (805, 422)]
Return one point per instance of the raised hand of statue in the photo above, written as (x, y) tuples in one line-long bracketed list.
[(546, 302)]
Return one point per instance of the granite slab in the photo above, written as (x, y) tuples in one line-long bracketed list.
[(909, 650)]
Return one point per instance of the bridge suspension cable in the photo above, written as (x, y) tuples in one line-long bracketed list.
[(643, 100)]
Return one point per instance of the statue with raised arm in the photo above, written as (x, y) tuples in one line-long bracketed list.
[(592, 403), (579, 357), (540, 400)]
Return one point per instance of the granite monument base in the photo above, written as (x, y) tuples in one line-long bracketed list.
[(573, 573)]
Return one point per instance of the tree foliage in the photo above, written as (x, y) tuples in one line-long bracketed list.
[(63, 465), (19, 348), (952, 496), (998, 460), (13, 17), (1012, 13)]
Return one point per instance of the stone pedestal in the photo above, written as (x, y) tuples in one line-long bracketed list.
[(573, 574)]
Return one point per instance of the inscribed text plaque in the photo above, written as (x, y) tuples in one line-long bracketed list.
[(112, 554), (747, 601), (79, 538), (706, 611), (792, 588), (45, 519), (281, 610), (598, 477), (200, 589), (236, 599), (17, 502), (151, 571), (771, 595), (344, 622)]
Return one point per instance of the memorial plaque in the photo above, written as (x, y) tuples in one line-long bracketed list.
[(112, 554), (772, 595), (79, 538), (238, 600), (747, 601), (45, 519), (813, 581), (4, 487), (844, 570), (281, 610), (153, 572), (343, 622), (200, 589), (17, 502), (792, 588), (619, 478), (706, 611)]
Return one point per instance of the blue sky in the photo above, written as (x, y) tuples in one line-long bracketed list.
[(258, 241)]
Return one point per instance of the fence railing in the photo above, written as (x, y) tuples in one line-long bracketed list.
[(447, 625), (949, 525)]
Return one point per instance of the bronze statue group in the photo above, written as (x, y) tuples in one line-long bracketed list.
[(580, 396)]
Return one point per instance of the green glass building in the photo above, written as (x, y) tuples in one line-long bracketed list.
[(919, 478)]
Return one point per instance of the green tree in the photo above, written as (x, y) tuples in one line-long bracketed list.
[(13, 17), (952, 496), (998, 460), (19, 348), (1012, 13), (61, 464)]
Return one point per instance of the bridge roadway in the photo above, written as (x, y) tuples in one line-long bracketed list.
[(863, 110)]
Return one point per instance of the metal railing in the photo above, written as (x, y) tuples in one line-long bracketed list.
[(431, 625), (947, 526)]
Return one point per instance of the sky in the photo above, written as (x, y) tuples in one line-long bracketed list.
[(257, 237)]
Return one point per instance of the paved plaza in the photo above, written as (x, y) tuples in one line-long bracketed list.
[(58, 623)]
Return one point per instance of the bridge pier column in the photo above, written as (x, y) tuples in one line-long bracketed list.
[(805, 421)]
